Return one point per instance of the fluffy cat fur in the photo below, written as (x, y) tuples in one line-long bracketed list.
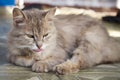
[(61, 43)]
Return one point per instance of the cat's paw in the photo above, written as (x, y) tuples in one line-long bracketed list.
[(40, 66), (66, 67)]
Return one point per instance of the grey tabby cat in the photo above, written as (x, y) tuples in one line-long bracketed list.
[(61, 43)]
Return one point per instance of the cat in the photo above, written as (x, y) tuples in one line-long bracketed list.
[(60, 43)]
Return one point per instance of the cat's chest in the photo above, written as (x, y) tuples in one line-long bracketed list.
[(40, 55)]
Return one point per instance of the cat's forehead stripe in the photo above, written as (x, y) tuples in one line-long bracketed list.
[(35, 20)]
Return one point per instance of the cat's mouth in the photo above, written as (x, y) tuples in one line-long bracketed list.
[(38, 50)]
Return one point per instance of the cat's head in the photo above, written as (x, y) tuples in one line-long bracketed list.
[(33, 29)]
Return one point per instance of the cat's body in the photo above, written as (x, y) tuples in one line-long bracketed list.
[(66, 43)]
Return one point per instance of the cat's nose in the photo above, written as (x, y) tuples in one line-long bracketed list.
[(39, 46)]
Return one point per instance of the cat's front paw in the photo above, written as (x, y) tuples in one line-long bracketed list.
[(40, 66), (66, 67)]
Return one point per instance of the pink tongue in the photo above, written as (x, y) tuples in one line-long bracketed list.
[(38, 50)]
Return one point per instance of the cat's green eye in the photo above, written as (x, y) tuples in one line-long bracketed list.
[(30, 36), (45, 35)]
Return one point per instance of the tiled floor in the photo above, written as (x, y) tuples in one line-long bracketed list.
[(12, 72)]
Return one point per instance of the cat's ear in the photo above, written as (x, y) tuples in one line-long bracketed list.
[(19, 17), (17, 12), (50, 14)]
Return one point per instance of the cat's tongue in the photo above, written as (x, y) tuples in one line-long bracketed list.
[(38, 50)]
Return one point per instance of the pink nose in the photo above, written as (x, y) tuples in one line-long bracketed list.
[(39, 46)]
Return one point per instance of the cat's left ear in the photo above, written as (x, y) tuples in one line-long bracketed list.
[(50, 14)]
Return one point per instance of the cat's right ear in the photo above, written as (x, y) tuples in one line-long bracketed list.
[(18, 16), (18, 13)]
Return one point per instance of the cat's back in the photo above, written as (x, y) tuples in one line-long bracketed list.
[(74, 20), (75, 23)]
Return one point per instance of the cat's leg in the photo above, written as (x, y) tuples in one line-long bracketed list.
[(46, 65), (49, 62), (86, 55), (20, 60)]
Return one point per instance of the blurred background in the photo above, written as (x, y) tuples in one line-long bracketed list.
[(98, 5), (106, 10)]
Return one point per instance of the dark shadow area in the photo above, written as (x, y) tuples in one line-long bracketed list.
[(112, 19)]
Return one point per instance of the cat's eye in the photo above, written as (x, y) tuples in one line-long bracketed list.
[(30, 36), (45, 35)]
